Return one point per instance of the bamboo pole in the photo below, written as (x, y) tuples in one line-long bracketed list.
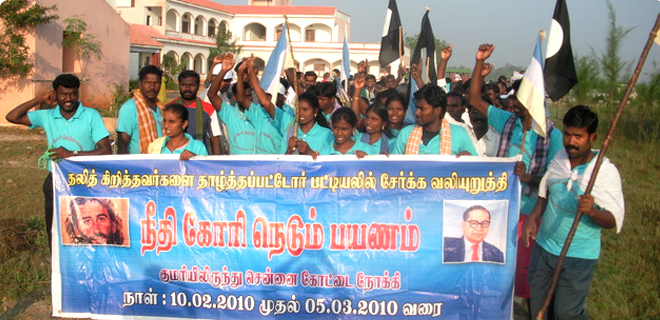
[(400, 46), (295, 79), (599, 161)]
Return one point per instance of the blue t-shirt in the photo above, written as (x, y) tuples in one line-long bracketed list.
[(194, 146), (127, 122), (242, 133), (497, 119), (460, 141), (559, 215), (380, 145), (80, 133), (329, 150), (270, 131)]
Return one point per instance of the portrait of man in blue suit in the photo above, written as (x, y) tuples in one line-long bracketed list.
[(471, 247)]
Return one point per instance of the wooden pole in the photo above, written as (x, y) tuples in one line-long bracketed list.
[(599, 161), (295, 79), (400, 43)]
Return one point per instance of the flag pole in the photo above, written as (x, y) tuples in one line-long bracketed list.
[(599, 161), (295, 79), (522, 146), (400, 43)]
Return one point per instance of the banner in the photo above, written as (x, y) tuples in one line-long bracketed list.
[(249, 237)]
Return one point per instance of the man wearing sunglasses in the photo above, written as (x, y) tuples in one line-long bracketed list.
[(471, 247)]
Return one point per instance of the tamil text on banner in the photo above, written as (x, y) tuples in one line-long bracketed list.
[(258, 238)]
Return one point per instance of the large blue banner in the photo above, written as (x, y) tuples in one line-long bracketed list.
[(259, 237)]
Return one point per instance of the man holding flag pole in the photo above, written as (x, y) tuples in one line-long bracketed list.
[(535, 148)]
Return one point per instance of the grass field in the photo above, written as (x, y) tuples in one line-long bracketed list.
[(626, 285)]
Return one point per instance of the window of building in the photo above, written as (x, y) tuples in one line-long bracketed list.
[(310, 35), (319, 68)]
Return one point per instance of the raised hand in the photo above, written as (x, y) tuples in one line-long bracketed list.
[(484, 51), (486, 70), (445, 54)]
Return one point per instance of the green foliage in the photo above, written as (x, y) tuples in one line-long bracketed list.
[(610, 61), (84, 45), (16, 18), (225, 43), (590, 83), (411, 42), (172, 68)]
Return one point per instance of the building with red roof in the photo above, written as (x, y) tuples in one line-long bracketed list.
[(187, 30)]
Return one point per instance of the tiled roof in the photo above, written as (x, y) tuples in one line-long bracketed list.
[(190, 40), (282, 10), (269, 10), (144, 35), (210, 4)]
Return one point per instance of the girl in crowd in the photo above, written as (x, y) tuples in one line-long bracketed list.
[(313, 132), (176, 140), (343, 127), (396, 112), (377, 134)]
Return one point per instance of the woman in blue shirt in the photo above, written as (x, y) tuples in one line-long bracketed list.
[(313, 132), (377, 134), (343, 127), (396, 113), (176, 140)]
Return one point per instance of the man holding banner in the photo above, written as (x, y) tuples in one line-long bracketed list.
[(432, 134), (71, 128)]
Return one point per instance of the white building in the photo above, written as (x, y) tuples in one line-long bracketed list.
[(187, 29)]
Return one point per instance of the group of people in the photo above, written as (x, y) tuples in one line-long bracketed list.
[(234, 116)]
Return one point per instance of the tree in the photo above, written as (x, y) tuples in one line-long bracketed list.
[(225, 43), (171, 67), (590, 82), (77, 39), (16, 18), (610, 61), (411, 42)]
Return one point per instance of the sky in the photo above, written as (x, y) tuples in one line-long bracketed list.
[(511, 25)]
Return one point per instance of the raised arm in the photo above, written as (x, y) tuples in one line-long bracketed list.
[(445, 55), (240, 86), (227, 64), (217, 59), (481, 70), (19, 114), (266, 103), (358, 105)]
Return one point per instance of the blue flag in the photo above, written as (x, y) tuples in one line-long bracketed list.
[(270, 80)]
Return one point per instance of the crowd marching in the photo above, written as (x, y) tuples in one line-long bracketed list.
[(231, 114)]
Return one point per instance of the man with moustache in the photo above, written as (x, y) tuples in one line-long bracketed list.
[(94, 221), (139, 121), (71, 129), (561, 196), (203, 122)]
